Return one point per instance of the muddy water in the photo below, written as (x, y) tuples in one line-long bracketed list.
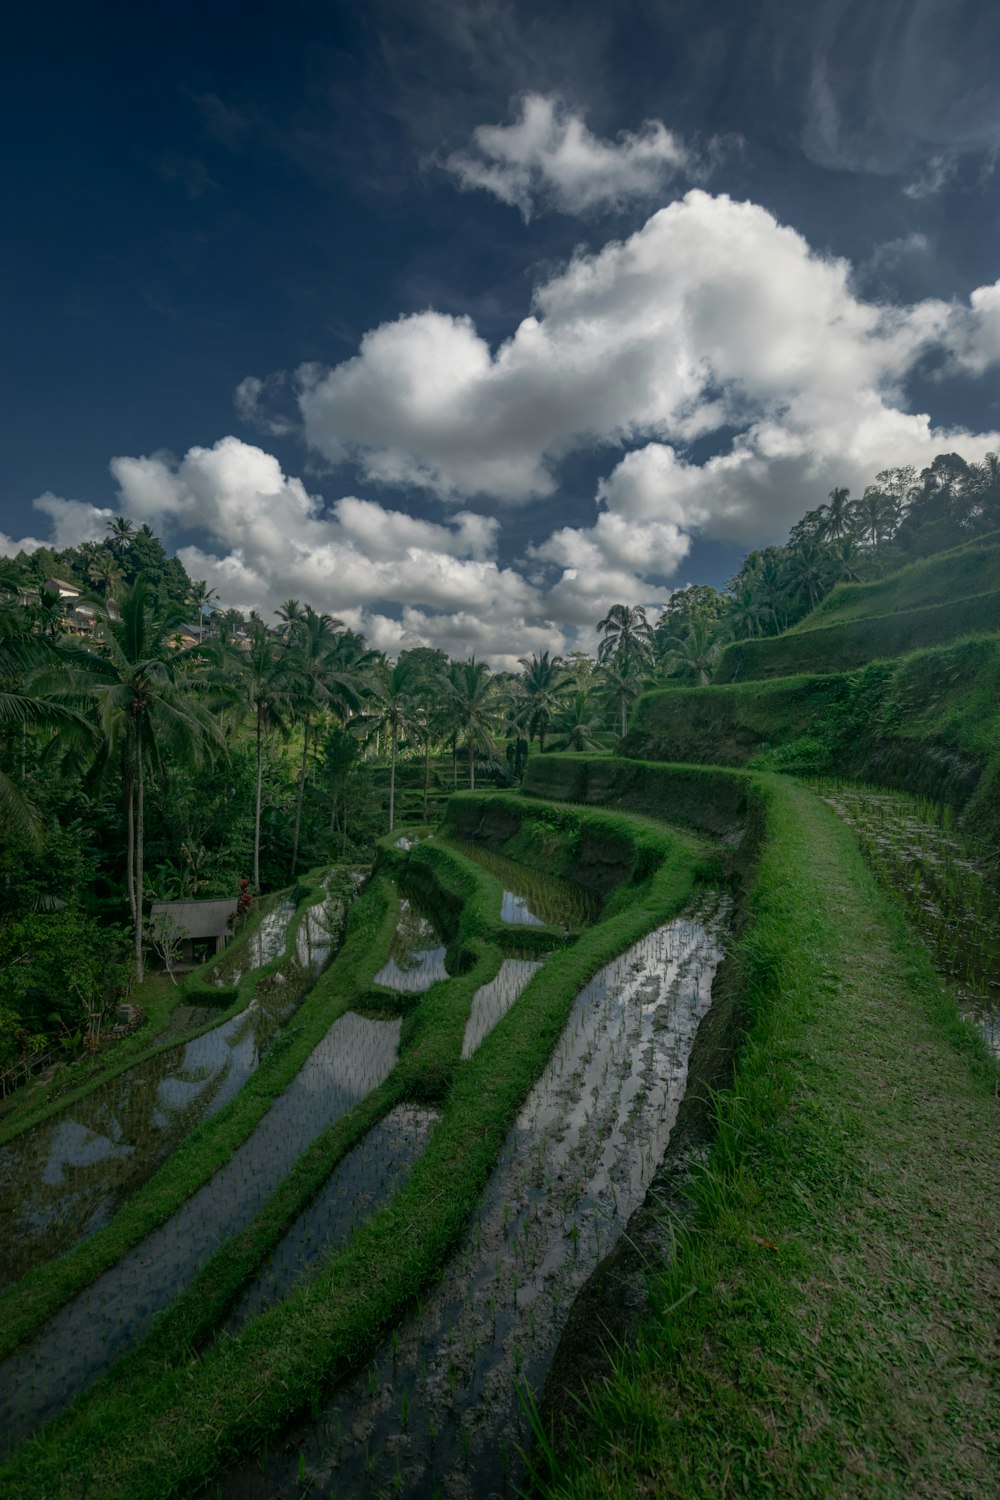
[(948, 898), (492, 1001), (437, 1413), (62, 1181), (87, 1335), (416, 955), (364, 1181), (532, 898)]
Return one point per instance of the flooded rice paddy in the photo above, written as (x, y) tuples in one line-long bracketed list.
[(416, 955), (63, 1180), (363, 1182), (534, 898), (437, 1412), (492, 1001), (89, 1333), (913, 849)]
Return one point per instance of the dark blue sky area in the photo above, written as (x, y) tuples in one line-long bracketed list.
[(193, 195)]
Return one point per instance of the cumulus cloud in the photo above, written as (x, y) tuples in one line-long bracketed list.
[(71, 522), (712, 316), (547, 157), (269, 539)]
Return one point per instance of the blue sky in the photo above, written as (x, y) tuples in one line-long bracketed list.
[(463, 321)]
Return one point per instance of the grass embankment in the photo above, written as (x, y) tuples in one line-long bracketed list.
[(160, 998), (709, 799), (970, 569), (828, 1325), (841, 647), (26, 1305), (162, 1424), (928, 723)]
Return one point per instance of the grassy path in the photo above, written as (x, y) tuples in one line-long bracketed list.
[(830, 1328)]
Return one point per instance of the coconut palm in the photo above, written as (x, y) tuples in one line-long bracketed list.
[(838, 515), (104, 572), (392, 709), (322, 681), (810, 573), (543, 684), (147, 702), (693, 657), (578, 724), (201, 595), (473, 698), (120, 533), (624, 678), (627, 633), (264, 680)]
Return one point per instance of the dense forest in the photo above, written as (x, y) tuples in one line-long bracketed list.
[(155, 744)]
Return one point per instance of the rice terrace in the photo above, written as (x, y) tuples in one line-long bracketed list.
[(500, 752)]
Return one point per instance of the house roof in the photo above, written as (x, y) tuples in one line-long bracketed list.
[(198, 919)]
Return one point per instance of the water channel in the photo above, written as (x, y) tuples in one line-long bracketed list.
[(437, 1413)]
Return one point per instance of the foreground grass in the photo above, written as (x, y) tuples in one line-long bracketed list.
[(168, 1418), (828, 1327)]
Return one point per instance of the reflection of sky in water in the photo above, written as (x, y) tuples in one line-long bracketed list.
[(492, 1001), (74, 1145), (84, 1337), (416, 957), (516, 909)]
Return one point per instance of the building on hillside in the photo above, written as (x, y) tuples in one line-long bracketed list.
[(69, 593), (203, 927)]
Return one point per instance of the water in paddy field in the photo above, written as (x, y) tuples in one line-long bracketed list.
[(364, 1181), (492, 1001), (533, 898), (416, 954), (62, 1181), (912, 849), (85, 1337), (437, 1412)]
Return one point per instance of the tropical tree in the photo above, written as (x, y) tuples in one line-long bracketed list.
[(148, 702), (104, 572), (578, 723), (263, 677), (120, 533), (201, 595), (392, 710), (838, 515), (810, 574), (326, 677), (543, 684), (693, 656), (627, 633), (472, 692), (624, 678)]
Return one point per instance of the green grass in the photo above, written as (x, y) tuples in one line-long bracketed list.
[(164, 1421), (33, 1299), (827, 1324), (840, 647), (963, 571)]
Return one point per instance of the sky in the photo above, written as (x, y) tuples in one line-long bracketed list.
[(463, 320)]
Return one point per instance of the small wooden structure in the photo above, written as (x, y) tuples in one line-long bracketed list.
[(204, 927)]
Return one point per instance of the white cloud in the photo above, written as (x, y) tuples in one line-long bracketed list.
[(548, 157), (270, 539), (934, 177), (711, 316), (71, 522)]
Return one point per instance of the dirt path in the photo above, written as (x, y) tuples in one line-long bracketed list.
[(839, 1328)]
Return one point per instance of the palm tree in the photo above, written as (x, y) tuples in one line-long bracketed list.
[(809, 573), (264, 676), (750, 614), (322, 681), (876, 514), (201, 595), (473, 697), (578, 723), (838, 516), (543, 682), (104, 572), (627, 633), (291, 614), (393, 692), (120, 533), (693, 656), (625, 678), (146, 703)]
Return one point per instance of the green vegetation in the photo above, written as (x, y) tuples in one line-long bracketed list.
[(37, 1295), (201, 1411), (806, 1332)]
